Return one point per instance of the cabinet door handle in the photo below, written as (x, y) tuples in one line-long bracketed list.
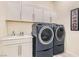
[(33, 15)]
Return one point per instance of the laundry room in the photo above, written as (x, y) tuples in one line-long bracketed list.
[(39, 28)]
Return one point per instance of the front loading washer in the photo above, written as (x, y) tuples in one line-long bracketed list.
[(42, 40), (59, 36)]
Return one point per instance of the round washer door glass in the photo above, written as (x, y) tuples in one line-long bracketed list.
[(60, 33), (46, 35)]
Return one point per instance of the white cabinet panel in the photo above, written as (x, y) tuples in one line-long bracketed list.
[(47, 16), (38, 14), (53, 15), (13, 10), (10, 50), (27, 11), (27, 50)]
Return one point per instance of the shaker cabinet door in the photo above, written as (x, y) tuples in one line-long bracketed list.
[(47, 16), (27, 50), (13, 10), (10, 51), (38, 14), (27, 11)]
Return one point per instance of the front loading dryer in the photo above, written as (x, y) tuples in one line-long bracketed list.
[(59, 37), (42, 40)]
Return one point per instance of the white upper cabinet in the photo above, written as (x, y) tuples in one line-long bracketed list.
[(38, 14), (27, 11), (53, 15), (47, 16), (13, 10)]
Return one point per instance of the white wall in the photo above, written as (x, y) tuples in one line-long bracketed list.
[(44, 4), (63, 17), (2, 19), (18, 27)]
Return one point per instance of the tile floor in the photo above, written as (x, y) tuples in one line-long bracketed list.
[(64, 55)]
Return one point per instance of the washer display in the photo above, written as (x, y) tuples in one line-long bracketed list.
[(42, 39)]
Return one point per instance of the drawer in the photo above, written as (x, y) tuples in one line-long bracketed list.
[(29, 40), (10, 42)]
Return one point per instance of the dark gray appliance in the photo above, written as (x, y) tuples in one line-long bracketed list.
[(59, 36), (42, 39)]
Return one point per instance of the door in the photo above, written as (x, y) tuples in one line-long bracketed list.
[(13, 10), (27, 11), (47, 17), (10, 51), (27, 50), (38, 14)]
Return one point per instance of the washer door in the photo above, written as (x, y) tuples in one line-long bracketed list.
[(60, 33), (46, 35)]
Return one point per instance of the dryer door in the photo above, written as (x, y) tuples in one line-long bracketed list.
[(46, 35), (60, 33)]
